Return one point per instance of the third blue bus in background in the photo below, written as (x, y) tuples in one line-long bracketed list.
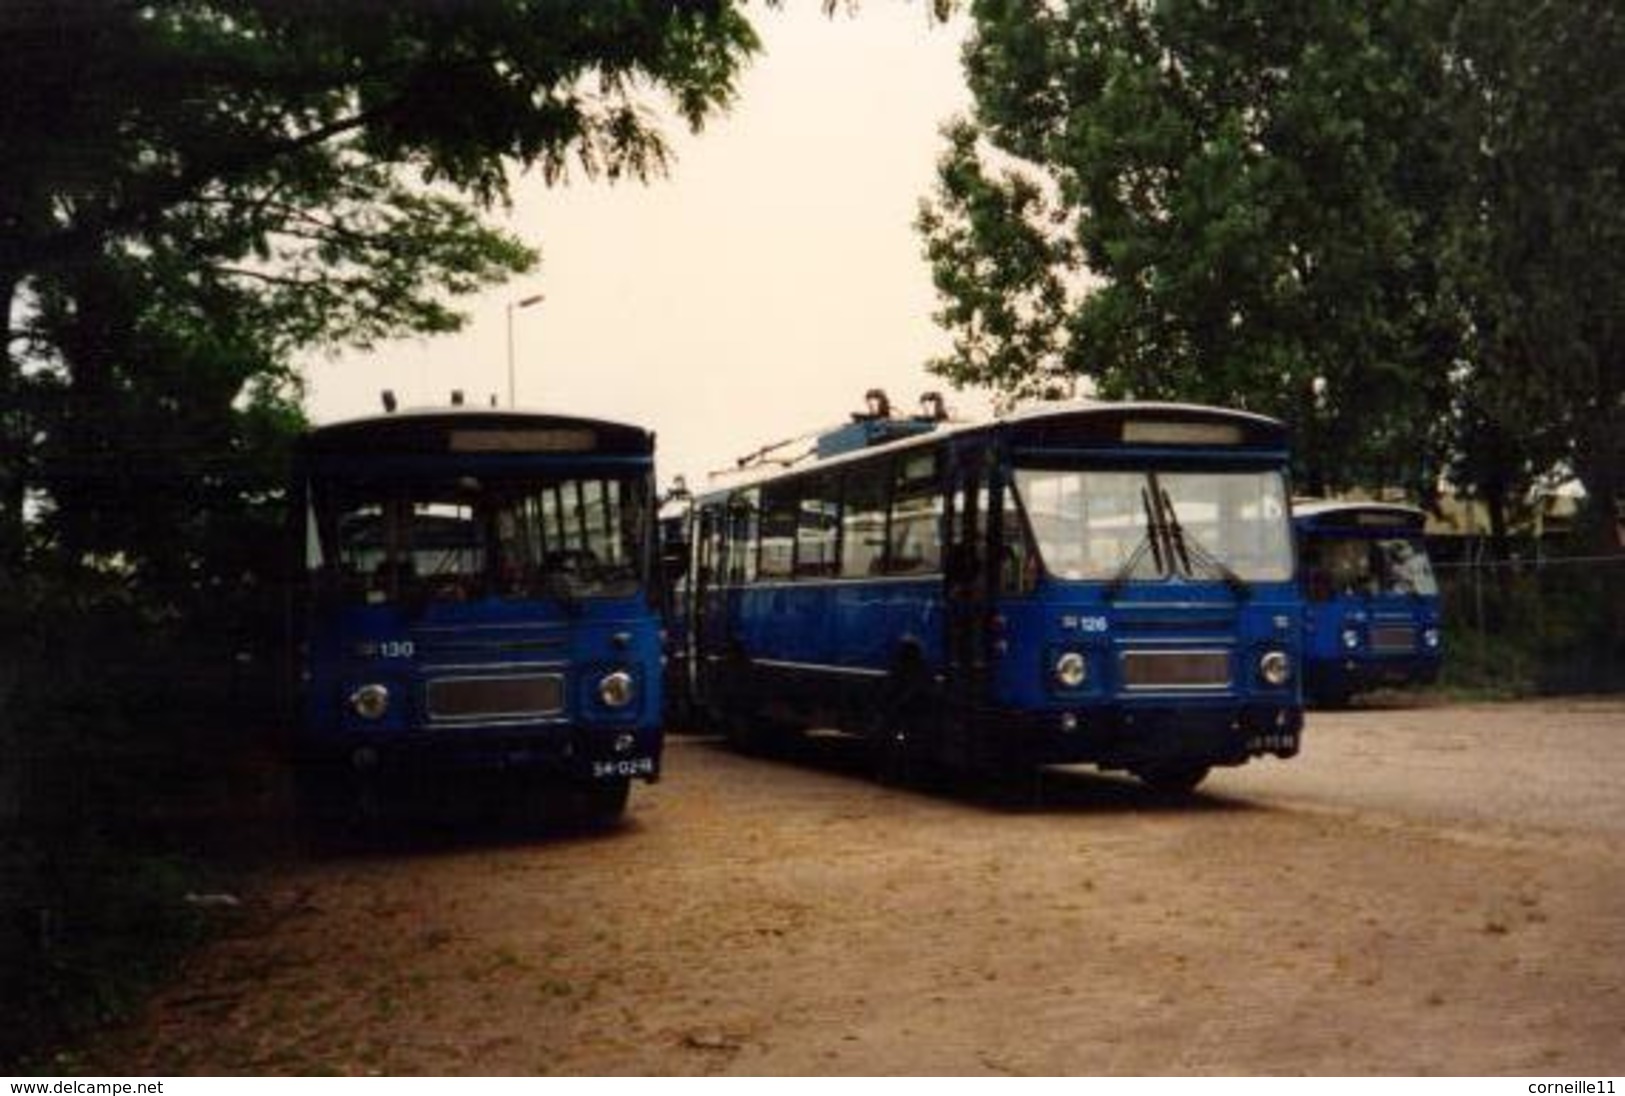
[(1371, 602)]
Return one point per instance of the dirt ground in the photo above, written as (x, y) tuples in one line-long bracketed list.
[(1429, 890)]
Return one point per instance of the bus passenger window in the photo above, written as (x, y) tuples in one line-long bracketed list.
[(740, 548), (709, 542), (779, 513), (916, 518), (817, 529), (863, 523)]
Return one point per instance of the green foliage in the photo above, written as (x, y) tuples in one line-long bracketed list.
[(193, 193), (1537, 106), (1518, 632), (112, 746), (104, 926), (1389, 224)]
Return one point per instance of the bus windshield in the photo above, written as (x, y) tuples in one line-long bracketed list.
[(462, 539), (1096, 524), (1337, 566)]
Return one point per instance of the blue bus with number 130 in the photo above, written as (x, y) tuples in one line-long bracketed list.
[(480, 594)]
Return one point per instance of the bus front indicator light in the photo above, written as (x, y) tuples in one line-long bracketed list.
[(370, 701), (1351, 639), (1275, 668), (1430, 639), (1071, 670), (615, 689)]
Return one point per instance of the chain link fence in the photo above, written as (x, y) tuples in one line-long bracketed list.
[(1538, 624)]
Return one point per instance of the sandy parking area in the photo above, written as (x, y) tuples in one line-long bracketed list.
[(1429, 890)]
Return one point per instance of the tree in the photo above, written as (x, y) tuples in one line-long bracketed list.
[(191, 192), (1253, 190), (1537, 103), (1396, 225)]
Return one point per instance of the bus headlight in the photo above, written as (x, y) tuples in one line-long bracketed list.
[(370, 701), (1430, 639), (1351, 639), (615, 689), (1071, 670), (1275, 668)]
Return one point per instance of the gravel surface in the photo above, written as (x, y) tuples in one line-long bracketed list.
[(1426, 890)]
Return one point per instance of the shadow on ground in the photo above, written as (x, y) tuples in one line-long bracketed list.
[(1056, 789)]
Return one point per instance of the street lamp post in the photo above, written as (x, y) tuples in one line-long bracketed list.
[(523, 302)]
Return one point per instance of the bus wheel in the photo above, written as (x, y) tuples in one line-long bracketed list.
[(889, 752), (602, 804), (742, 732), (897, 728), (334, 805), (1329, 699), (1173, 779)]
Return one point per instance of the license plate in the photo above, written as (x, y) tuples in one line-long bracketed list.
[(626, 766)]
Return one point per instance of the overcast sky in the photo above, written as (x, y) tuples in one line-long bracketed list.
[(752, 295)]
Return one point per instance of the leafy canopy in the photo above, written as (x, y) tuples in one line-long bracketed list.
[(1387, 223), (196, 191)]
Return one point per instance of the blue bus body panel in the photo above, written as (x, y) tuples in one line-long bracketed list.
[(1122, 721), (1390, 647), (855, 627), (876, 620), (490, 641), (487, 681)]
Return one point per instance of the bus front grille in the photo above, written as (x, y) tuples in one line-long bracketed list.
[(462, 699), (1393, 638), (1147, 670)]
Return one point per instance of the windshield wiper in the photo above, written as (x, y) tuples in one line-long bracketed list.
[(1189, 548), (1151, 542)]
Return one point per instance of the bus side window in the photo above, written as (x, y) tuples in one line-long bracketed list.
[(817, 528), (736, 547), (707, 541), (740, 549), (916, 517), (863, 522)]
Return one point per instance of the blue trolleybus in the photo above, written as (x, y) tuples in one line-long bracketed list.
[(1105, 583), (1371, 612), (481, 595)]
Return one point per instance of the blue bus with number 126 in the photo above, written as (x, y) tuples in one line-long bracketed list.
[(1083, 582)]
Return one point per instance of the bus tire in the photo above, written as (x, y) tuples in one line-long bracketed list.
[(602, 804), (1173, 779), (897, 731), (334, 805), (1331, 700), (757, 735)]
